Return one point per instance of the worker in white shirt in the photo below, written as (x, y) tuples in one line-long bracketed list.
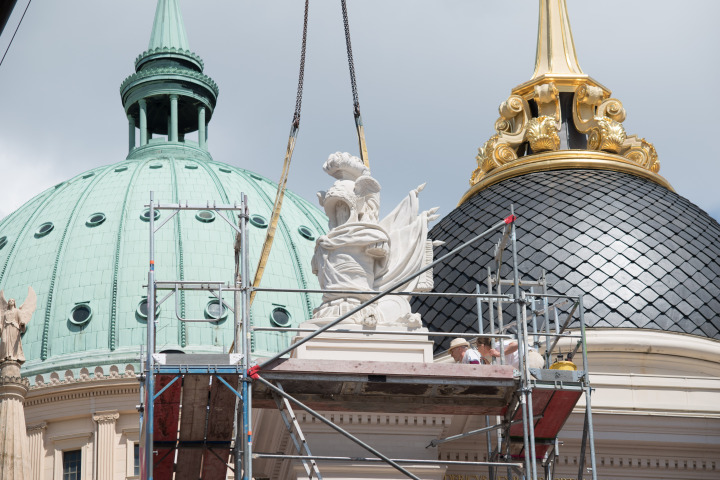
[(462, 353), (487, 351)]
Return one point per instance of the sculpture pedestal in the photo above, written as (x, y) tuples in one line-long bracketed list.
[(14, 449), (366, 345)]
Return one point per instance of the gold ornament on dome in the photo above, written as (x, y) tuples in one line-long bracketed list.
[(528, 132), (516, 126), (520, 136)]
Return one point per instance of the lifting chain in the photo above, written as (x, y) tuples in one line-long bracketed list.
[(301, 75), (353, 84)]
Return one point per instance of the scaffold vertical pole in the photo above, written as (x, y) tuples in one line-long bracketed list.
[(588, 392), (150, 349), (522, 346), (245, 341), (526, 375), (237, 335)]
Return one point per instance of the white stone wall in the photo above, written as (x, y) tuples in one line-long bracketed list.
[(656, 410)]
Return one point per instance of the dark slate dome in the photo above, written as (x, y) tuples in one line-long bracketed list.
[(644, 256)]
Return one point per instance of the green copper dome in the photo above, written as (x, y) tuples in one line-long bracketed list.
[(83, 246)]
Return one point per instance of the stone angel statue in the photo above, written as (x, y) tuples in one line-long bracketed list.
[(13, 321), (363, 253)]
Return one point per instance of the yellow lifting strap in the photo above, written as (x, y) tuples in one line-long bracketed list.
[(279, 196), (361, 140)]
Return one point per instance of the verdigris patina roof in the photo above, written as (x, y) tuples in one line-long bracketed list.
[(84, 242)]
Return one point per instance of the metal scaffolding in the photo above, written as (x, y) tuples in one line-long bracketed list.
[(217, 389)]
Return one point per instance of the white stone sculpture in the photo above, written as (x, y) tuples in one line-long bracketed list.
[(362, 253), (12, 323)]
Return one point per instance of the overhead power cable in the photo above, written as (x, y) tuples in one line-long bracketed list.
[(15, 33)]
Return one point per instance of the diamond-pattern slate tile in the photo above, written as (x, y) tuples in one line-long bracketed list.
[(643, 256)]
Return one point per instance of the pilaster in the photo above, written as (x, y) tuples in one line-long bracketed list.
[(105, 442), (36, 434)]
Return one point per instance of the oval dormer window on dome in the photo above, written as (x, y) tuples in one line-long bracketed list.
[(224, 170), (145, 215), (280, 317), (142, 309), (306, 232), (191, 166), (258, 220), (205, 216), (3, 242), (216, 311), (80, 314), (88, 175), (95, 219), (155, 166), (121, 168), (44, 229)]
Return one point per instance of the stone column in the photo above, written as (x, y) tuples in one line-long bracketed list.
[(105, 443), (202, 136), (143, 122), (14, 450), (37, 449), (173, 134), (131, 133)]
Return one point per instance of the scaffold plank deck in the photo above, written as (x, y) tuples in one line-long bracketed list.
[(552, 407), (192, 425), (165, 425), (219, 427), (397, 387)]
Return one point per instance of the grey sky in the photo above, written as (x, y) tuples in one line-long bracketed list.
[(431, 75)]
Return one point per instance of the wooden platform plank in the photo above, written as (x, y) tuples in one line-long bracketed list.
[(541, 398), (556, 413), (394, 387), (165, 426), (196, 389), (219, 427)]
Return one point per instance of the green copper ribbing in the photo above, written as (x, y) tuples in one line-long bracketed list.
[(221, 189), (181, 263), (30, 221), (56, 267), (320, 228), (302, 282), (116, 260)]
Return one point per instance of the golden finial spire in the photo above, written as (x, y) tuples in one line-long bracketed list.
[(555, 46), (560, 119)]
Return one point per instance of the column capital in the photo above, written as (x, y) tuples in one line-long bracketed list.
[(142, 102), (109, 416), (38, 427), (173, 96)]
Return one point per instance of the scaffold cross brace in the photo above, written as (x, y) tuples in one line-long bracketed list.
[(510, 219), (253, 371)]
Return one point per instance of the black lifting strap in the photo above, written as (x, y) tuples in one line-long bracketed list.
[(353, 84), (294, 127)]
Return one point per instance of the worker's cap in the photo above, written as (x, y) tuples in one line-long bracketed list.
[(458, 342)]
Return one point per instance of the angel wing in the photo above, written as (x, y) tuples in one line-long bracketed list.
[(366, 185), (3, 302), (28, 307)]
